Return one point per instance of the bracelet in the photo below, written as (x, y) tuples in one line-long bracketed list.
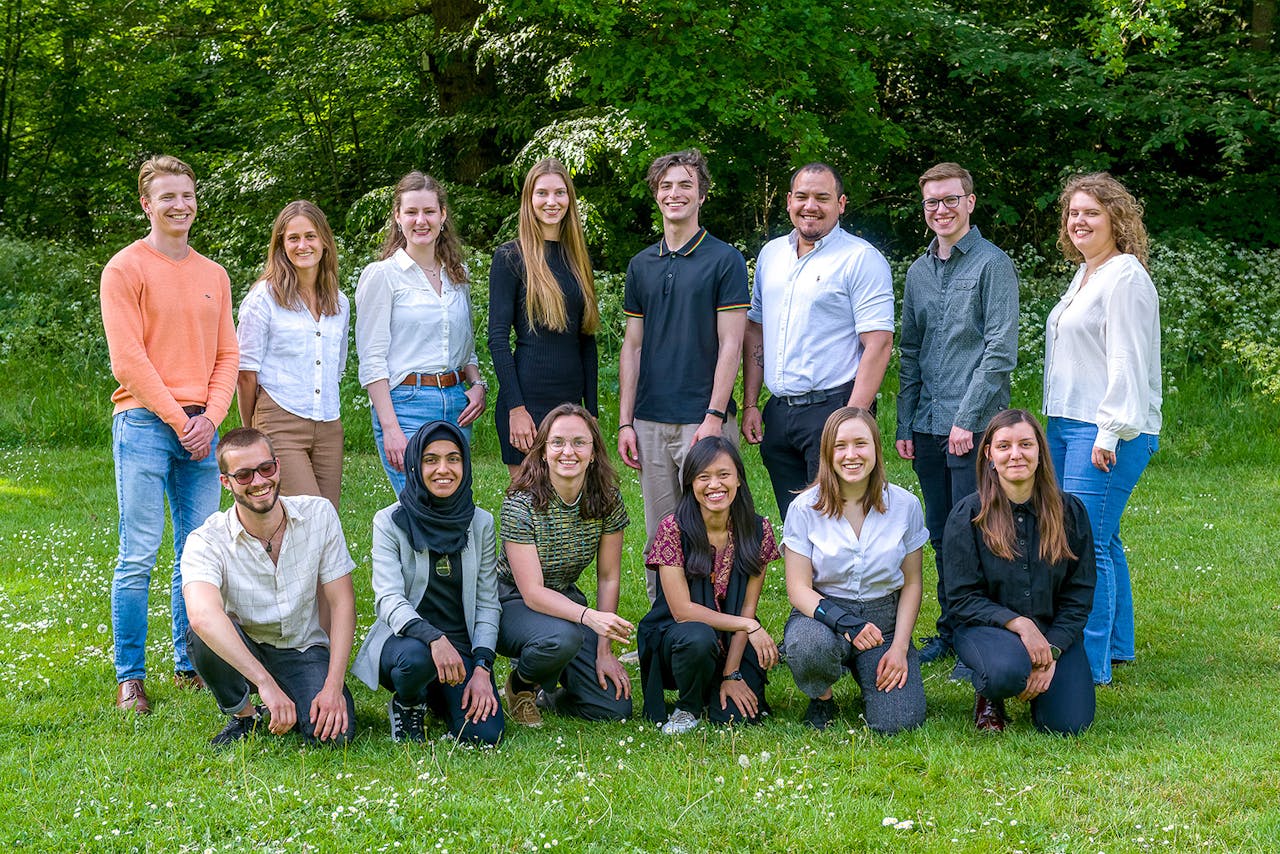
[(718, 413), (583, 615), (759, 626), (622, 427), (747, 406)]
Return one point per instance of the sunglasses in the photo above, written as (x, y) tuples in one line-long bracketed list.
[(244, 477)]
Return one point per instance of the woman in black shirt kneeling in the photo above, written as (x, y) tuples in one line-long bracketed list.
[(1020, 578)]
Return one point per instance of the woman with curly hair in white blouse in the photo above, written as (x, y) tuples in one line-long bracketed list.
[(1102, 389)]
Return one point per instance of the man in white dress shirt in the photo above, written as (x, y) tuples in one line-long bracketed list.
[(819, 331)]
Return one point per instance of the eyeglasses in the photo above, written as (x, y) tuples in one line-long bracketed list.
[(952, 202), (244, 477), (578, 444)]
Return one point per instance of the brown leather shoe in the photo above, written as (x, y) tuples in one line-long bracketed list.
[(188, 680), (132, 697), (989, 714)]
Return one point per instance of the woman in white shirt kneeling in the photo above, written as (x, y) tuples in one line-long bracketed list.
[(853, 556)]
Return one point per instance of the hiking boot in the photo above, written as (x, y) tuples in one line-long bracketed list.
[(522, 705)]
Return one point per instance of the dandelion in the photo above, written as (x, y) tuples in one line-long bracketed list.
[(744, 760)]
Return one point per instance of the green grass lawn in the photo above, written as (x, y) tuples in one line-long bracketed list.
[(1184, 754)]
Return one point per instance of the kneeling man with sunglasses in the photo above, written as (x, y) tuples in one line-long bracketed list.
[(254, 577)]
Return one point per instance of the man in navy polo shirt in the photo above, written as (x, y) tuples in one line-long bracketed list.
[(686, 305)]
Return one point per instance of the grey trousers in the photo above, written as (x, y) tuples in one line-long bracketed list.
[(546, 650), (818, 657)]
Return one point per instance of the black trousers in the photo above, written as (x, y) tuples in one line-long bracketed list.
[(408, 670), (299, 673), (693, 662), (792, 436), (944, 479), (1000, 666)]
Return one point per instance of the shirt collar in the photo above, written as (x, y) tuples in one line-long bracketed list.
[(832, 236), (964, 245), (402, 259), (235, 527), (687, 249)]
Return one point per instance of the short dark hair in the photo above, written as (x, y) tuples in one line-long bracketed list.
[(691, 158), (819, 167), (943, 171), (241, 437)]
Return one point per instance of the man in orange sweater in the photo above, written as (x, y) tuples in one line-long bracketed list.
[(167, 314)]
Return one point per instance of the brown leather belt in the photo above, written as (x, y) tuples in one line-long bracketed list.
[(445, 380)]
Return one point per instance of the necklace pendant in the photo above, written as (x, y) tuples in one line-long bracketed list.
[(268, 547)]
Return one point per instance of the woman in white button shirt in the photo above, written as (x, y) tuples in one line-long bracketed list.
[(413, 325), (293, 351), (854, 544), (1102, 389)]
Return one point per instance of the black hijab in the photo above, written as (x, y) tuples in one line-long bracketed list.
[(438, 524)]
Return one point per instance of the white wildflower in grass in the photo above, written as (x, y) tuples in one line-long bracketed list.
[(744, 760), (888, 821), (905, 824)]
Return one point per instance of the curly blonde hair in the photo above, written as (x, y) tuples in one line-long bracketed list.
[(1124, 210)]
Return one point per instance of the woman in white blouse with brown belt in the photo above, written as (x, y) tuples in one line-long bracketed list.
[(413, 326), (1102, 389)]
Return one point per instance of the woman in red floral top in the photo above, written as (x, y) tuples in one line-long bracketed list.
[(702, 637)]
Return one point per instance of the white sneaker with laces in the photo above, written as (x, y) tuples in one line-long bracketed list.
[(679, 723)]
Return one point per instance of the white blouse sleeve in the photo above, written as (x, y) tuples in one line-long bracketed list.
[(1132, 346), (254, 331), (374, 299)]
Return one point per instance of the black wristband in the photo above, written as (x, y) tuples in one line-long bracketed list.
[(622, 427), (718, 413)]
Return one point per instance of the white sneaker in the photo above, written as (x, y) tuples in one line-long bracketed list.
[(679, 723)]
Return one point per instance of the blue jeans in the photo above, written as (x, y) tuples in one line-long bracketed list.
[(414, 406), (151, 465), (1109, 634)]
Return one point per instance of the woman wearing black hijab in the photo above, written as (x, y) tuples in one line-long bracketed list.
[(435, 590)]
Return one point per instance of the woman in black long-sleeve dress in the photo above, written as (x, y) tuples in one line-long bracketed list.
[(541, 286)]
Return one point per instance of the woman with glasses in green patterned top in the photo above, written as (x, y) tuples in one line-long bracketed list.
[(562, 511)]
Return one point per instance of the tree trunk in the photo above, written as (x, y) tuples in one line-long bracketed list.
[(1264, 25)]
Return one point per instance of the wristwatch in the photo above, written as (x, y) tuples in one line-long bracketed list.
[(735, 676), (1054, 651), (485, 663), (482, 383)]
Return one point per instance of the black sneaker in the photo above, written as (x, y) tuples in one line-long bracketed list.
[(820, 713), (406, 721), (935, 649), (238, 728)]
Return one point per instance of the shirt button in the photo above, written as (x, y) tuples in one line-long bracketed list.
[(317, 333), (317, 361), (317, 391)]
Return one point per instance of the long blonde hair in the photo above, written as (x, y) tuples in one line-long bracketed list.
[(280, 274), (448, 246), (1124, 210), (544, 302)]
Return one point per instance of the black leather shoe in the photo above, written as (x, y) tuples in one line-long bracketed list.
[(935, 649), (988, 715), (820, 713)]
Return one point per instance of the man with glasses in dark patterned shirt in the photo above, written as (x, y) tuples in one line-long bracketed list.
[(958, 347)]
